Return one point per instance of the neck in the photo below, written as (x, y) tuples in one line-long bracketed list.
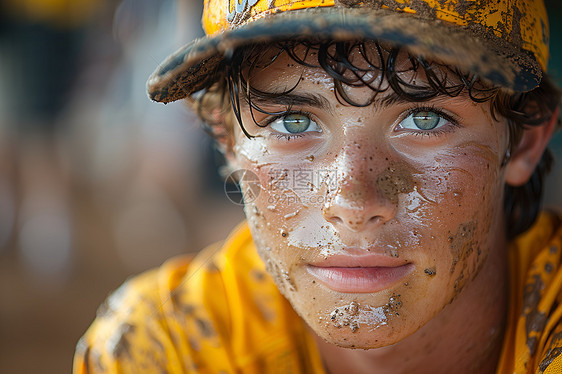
[(465, 337)]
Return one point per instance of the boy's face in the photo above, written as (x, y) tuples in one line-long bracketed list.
[(372, 219)]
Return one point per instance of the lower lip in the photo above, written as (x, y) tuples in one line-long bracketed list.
[(359, 279)]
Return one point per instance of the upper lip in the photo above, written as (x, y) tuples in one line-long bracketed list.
[(354, 260)]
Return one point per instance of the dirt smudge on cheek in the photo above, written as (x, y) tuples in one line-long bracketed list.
[(462, 243), (467, 253), (396, 179)]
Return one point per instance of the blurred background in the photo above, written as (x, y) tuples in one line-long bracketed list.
[(97, 183)]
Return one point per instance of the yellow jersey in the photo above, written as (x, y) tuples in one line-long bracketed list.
[(220, 312)]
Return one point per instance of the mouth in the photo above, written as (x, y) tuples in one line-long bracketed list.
[(352, 274)]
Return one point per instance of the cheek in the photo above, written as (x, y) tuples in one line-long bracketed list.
[(275, 215), (291, 190), (270, 237), (456, 203)]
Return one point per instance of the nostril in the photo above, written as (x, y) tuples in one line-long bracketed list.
[(336, 220), (374, 219)]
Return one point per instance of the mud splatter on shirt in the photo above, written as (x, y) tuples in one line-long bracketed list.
[(533, 341), (217, 313)]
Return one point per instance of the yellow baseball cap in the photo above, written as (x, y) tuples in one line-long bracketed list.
[(503, 41)]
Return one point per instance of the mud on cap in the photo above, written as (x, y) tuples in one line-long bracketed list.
[(503, 41)]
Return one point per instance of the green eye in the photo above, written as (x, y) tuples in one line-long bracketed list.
[(296, 123), (426, 120)]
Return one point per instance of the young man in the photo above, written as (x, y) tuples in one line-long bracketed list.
[(393, 156)]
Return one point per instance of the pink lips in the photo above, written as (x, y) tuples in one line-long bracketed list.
[(359, 274)]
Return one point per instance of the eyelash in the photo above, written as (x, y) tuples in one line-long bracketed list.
[(287, 137)]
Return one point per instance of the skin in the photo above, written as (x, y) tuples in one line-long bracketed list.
[(430, 200)]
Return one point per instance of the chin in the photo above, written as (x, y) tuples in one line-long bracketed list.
[(365, 339), (360, 326)]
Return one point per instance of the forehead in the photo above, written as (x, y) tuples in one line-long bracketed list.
[(380, 67)]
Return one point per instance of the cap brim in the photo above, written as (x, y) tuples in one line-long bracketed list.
[(189, 69)]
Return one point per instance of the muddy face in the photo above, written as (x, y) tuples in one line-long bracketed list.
[(340, 182)]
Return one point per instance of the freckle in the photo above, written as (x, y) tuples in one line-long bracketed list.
[(370, 157)]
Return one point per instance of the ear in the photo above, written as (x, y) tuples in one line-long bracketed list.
[(529, 151), (225, 143), (231, 160), (224, 138)]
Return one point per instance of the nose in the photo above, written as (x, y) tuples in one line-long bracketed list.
[(360, 200)]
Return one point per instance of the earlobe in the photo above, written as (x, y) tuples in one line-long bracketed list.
[(528, 153)]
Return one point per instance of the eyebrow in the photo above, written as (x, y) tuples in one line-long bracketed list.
[(295, 99), (318, 101), (388, 100)]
